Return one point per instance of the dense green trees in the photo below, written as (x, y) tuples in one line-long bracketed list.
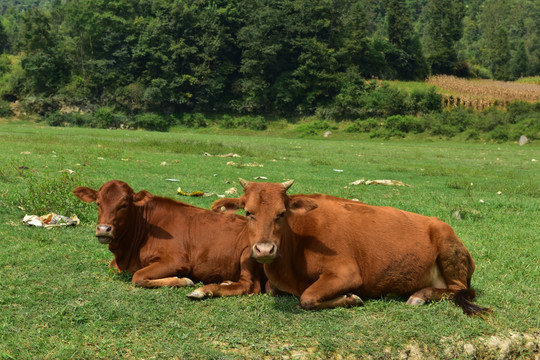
[(283, 57)]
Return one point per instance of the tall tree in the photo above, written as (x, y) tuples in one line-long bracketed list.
[(407, 59), (442, 31), (4, 41)]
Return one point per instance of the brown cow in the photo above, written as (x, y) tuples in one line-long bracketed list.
[(164, 242), (330, 251)]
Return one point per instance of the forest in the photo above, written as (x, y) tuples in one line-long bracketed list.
[(276, 58)]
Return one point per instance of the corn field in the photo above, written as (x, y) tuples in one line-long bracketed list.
[(482, 94)]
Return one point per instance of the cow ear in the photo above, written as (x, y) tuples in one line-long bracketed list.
[(302, 205), (85, 194), (142, 198), (227, 205)]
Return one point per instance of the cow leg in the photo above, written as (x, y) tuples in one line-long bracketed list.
[(429, 294), (328, 291), (249, 282), (157, 275)]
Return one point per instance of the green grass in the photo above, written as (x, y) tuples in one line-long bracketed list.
[(529, 80), (58, 298)]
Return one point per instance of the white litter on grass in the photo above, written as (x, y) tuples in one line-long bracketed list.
[(223, 155), (173, 180), (50, 220), (260, 178), (379, 182), (338, 170)]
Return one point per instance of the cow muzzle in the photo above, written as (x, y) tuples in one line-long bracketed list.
[(104, 234), (264, 253)]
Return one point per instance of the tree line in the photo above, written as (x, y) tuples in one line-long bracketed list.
[(277, 57)]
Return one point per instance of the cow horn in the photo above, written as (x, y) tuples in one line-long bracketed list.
[(287, 184), (243, 182)]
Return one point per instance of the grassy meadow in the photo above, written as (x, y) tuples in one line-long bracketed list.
[(59, 300)]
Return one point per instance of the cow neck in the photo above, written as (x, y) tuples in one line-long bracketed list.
[(282, 267), (128, 245)]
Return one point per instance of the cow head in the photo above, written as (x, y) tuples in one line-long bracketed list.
[(267, 207), (116, 203)]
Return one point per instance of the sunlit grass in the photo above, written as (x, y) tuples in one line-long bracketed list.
[(59, 300)]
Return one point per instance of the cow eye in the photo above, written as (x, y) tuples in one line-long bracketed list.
[(123, 206), (281, 215), (248, 214), (98, 203)]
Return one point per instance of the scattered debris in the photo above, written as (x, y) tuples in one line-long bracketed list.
[(173, 180), (25, 152), (194, 193), (327, 134), (523, 140), (534, 160), (163, 163), (457, 215), (198, 193), (223, 156), (69, 171), (253, 164), (379, 182), (338, 170), (50, 220), (260, 178), (100, 158), (231, 191)]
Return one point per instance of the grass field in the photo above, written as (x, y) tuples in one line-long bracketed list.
[(58, 298)]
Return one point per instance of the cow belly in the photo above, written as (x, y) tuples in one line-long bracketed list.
[(404, 278)]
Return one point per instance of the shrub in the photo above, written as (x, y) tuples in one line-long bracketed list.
[(500, 133), (5, 109), (403, 124), (490, 119), (315, 127), (195, 120), (151, 121), (363, 126), (70, 119), (106, 118), (530, 127), (385, 101), (227, 122), (426, 101)]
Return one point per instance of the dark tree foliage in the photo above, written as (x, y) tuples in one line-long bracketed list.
[(407, 58), (442, 31), (282, 57)]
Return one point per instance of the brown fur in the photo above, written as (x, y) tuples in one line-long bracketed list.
[(324, 247), (160, 239)]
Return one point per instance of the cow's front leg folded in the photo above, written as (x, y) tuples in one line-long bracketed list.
[(330, 291), (226, 288), (158, 275)]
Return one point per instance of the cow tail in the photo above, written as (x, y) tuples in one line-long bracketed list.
[(463, 299)]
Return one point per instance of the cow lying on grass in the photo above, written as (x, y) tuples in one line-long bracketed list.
[(164, 242), (331, 251)]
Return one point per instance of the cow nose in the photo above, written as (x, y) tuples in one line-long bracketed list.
[(264, 252), (103, 229), (104, 233)]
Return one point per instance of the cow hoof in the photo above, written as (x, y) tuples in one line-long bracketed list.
[(198, 294), (415, 301), (357, 300), (188, 281)]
